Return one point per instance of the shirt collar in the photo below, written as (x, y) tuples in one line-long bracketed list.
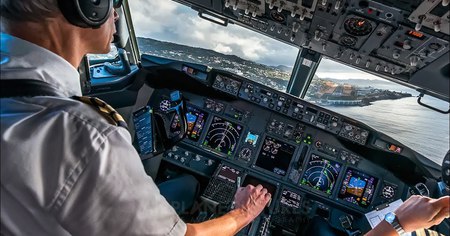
[(20, 59)]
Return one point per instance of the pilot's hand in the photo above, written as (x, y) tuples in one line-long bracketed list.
[(422, 212), (251, 200)]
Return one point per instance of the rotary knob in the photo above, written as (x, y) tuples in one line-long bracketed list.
[(413, 60), (317, 35)]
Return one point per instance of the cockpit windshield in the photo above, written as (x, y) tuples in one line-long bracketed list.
[(384, 105), (172, 30)]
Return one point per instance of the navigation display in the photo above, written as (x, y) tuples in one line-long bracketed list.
[(275, 156), (358, 188), (195, 119), (223, 136), (229, 174), (321, 174), (290, 199)]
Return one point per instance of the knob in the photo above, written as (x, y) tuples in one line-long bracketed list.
[(393, 71), (294, 11), (271, 4), (186, 153), (302, 15), (324, 47), (358, 60), (279, 30), (317, 35), (254, 15), (413, 60), (407, 44), (386, 68), (280, 8), (292, 38), (174, 148), (419, 23), (324, 2), (337, 5), (396, 54), (368, 63), (209, 162), (235, 6), (247, 10), (227, 3), (352, 56), (265, 99), (296, 110), (445, 3), (170, 154), (295, 27), (437, 26), (280, 103), (176, 157), (272, 28), (197, 157), (377, 67), (182, 160)]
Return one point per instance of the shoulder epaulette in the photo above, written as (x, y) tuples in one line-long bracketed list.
[(104, 109)]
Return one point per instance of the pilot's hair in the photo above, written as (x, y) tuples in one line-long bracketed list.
[(28, 10)]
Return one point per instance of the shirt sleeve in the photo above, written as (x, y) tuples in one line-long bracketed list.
[(114, 196)]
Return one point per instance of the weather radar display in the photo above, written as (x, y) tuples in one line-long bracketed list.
[(223, 136), (321, 174)]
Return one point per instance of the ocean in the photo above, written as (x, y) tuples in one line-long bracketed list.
[(415, 126)]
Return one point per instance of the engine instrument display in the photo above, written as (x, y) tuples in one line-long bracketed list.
[(290, 199), (358, 26), (223, 136), (195, 120), (358, 188), (275, 156), (229, 174), (321, 174)]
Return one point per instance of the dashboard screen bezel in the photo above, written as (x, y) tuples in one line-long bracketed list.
[(208, 127), (260, 150), (376, 193), (338, 178)]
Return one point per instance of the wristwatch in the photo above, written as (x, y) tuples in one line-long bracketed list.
[(392, 219)]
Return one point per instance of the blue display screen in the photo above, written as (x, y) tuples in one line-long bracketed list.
[(144, 132)]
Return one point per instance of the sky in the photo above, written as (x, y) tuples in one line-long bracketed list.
[(166, 20)]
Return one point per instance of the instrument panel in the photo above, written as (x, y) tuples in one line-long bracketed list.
[(295, 149)]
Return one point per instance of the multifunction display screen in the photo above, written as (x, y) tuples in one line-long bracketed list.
[(195, 120), (275, 156), (228, 173), (358, 188), (223, 136), (290, 199), (321, 174), (142, 120)]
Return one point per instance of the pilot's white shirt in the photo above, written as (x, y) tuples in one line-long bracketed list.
[(64, 169)]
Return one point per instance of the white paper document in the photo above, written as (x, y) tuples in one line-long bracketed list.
[(375, 217)]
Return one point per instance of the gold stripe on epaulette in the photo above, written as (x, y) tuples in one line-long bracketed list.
[(106, 110)]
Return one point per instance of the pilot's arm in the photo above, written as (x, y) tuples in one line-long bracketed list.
[(416, 213)]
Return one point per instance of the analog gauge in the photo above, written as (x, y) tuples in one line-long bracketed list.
[(358, 26), (245, 154), (164, 105), (388, 192), (348, 40)]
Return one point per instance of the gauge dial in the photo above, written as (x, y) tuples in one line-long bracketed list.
[(164, 105), (358, 26), (245, 154), (388, 192), (348, 40)]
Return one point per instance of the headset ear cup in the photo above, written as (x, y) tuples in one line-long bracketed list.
[(86, 13)]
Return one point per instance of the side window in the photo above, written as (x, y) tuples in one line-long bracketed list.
[(97, 58)]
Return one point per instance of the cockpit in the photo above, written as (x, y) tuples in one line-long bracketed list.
[(340, 109)]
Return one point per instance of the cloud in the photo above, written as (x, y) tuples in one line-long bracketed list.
[(166, 20)]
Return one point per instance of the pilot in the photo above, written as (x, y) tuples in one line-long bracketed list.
[(65, 169)]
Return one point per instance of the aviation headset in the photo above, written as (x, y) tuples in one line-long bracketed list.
[(87, 13)]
